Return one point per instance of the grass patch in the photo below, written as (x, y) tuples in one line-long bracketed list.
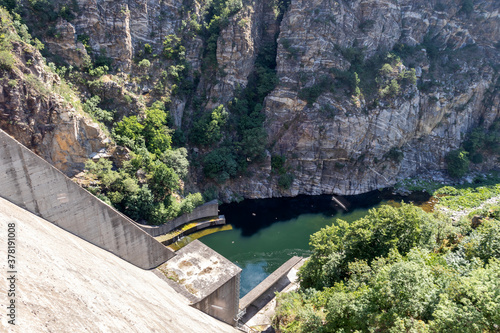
[(463, 198), (416, 185)]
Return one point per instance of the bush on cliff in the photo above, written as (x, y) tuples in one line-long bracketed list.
[(457, 163)]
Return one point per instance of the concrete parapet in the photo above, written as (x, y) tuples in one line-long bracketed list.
[(208, 209), (33, 184)]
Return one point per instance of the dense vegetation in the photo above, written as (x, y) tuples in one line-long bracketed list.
[(235, 131), (400, 269), (147, 186), (481, 141)]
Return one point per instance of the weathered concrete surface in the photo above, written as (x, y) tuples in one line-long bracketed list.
[(66, 284), (210, 281), (31, 183), (208, 209)]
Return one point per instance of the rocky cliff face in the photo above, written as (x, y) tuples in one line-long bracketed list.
[(336, 139), (44, 114), (336, 145)]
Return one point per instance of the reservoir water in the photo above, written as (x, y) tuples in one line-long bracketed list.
[(268, 232)]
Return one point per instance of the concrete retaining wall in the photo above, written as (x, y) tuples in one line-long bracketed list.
[(206, 210), (223, 302), (33, 184)]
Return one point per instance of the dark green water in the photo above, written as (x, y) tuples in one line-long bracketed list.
[(266, 233)]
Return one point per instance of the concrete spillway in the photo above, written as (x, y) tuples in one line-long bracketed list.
[(65, 284)]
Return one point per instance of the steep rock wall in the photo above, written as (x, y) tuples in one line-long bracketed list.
[(44, 114), (337, 143), (345, 150)]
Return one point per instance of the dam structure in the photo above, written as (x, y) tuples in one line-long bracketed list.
[(70, 272), (83, 266), (30, 182)]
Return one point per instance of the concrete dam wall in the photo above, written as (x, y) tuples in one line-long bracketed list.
[(66, 284), (33, 184)]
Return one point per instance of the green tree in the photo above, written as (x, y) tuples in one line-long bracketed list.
[(382, 230), (128, 131), (177, 160), (140, 204), (208, 130), (220, 164), (163, 181), (457, 163), (254, 143), (190, 202), (158, 136)]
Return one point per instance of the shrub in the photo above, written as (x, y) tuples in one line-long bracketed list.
[(311, 94), (85, 40), (102, 59), (254, 143), (467, 6), (278, 163), (208, 130), (285, 181), (163, 181), (457, 163), (386, 69), (156, 133), (172, 48), (191, 202), (210, 193), (91, 107), (408, 76), (177, 160), (144, 63), (394, 88), (128, 131), (98, 71), (395, 154), (220, 164), (6, 60)]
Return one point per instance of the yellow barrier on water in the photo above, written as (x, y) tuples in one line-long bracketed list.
[(188, 239)]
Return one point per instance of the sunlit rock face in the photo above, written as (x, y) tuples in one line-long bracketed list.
[(338, 143), (42, 113)]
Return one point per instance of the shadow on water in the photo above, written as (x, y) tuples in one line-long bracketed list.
[(252, 215)]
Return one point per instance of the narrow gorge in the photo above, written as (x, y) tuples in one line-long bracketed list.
[(320, 97)]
